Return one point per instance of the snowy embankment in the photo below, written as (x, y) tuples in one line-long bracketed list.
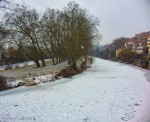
[(107, 92)]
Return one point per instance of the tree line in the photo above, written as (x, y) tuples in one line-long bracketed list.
[(109, 51), (60, 35)]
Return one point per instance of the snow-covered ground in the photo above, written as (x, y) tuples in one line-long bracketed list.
[(107, 92), (26, 63)]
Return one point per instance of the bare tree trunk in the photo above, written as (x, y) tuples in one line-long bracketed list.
[(37, 63), (43, 62)]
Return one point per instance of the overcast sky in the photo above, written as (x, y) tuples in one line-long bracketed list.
[(117, 17)]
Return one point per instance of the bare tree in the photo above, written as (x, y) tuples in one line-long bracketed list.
[(24, 24), (119, 42), (53, 35), (68, 34)]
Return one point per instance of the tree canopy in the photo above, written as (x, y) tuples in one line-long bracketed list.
[(60, 35)]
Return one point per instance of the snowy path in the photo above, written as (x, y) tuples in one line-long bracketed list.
[(107, 92)]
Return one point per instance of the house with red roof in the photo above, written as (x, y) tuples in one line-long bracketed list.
[(138, 43)]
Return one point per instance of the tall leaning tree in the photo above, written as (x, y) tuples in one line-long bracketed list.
[(81, 32)]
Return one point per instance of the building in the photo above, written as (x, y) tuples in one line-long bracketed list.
[(131, 42), (142, 36), (138, 43), (148, 43)]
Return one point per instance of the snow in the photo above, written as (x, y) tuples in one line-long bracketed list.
[(44, 78), (25, 63), (107, 92), (14, 83), (2, 67), (37, 80)]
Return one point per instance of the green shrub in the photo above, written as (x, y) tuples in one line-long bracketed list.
[(126, 55)]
